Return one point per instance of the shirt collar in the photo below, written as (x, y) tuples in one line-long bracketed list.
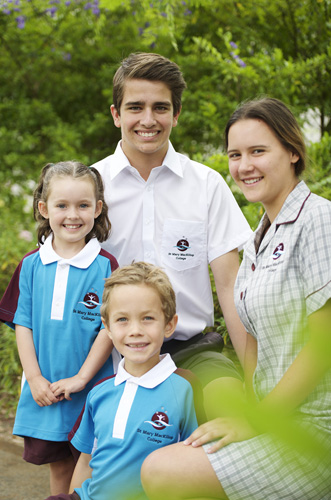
[(293, 204), (82, 260), (158, 374), (288, 214), (171, 161), (121, 162)]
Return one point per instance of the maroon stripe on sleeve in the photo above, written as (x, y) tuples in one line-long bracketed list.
[(113, 261), (8, 303)]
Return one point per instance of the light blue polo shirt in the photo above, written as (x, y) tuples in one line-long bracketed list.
[(131, 417), (59, 300)]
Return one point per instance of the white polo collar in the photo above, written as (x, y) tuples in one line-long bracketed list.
[(171, 161), (82, 260), (158, 374)]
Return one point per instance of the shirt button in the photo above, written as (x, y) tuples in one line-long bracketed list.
[(253, 267)]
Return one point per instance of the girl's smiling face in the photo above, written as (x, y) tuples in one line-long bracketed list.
[(260, 165), (71, 208)]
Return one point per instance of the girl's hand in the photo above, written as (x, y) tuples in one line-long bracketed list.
[(64, 387), (230, 430), (41, 392)]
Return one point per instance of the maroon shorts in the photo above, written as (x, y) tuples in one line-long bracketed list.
[(63, 496), (39, 451)]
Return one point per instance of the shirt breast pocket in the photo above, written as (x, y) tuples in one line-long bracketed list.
[(183, 244)]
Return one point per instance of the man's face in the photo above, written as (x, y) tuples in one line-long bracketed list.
[(146, 119)]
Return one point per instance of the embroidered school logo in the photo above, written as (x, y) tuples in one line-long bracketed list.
[(279, 250), (91, 300), (159, 421), (182, 245)]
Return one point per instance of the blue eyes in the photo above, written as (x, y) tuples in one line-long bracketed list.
[(63, 205), (123, 319)]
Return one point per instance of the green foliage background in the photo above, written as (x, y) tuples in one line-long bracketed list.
[(57, 61)]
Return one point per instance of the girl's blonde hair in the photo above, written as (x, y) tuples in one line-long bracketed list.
[(76, 170)]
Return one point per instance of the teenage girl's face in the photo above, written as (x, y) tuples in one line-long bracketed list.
[(260, 165), (137, 326), (71, 208)]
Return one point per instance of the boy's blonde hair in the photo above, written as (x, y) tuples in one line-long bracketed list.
[(141, 273)]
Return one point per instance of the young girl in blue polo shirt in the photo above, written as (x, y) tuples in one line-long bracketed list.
[(54, 301)]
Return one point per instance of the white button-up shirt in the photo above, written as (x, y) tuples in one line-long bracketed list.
[(182, 218)]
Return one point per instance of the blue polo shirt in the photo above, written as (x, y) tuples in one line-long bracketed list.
[(131, 417), (59, 300)]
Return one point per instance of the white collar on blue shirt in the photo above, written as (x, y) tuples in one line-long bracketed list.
[(171, 160), (82, 260), (158, 374)]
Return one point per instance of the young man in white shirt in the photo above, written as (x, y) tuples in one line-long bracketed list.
[(176, 213)]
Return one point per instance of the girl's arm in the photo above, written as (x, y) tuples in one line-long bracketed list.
[(82, 471), (40, 387), (99, 353), (298, 382), (250, 362), (307, 369)]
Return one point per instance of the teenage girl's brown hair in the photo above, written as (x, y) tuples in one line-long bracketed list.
[(279, 119)]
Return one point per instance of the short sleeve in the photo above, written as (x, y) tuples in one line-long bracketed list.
[(227, 226), (82, 435), (23, 315), (183, 394), (189, 422), (9, 301), (315, 257)]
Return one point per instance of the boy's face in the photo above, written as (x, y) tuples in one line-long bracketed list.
[(137, 326), (146, 119)]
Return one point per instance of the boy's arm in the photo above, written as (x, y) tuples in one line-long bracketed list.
[(40, 387), (225, 269), (99, 353), (82, 471)]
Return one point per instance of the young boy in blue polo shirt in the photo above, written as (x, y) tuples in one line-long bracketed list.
[(147, 405)]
